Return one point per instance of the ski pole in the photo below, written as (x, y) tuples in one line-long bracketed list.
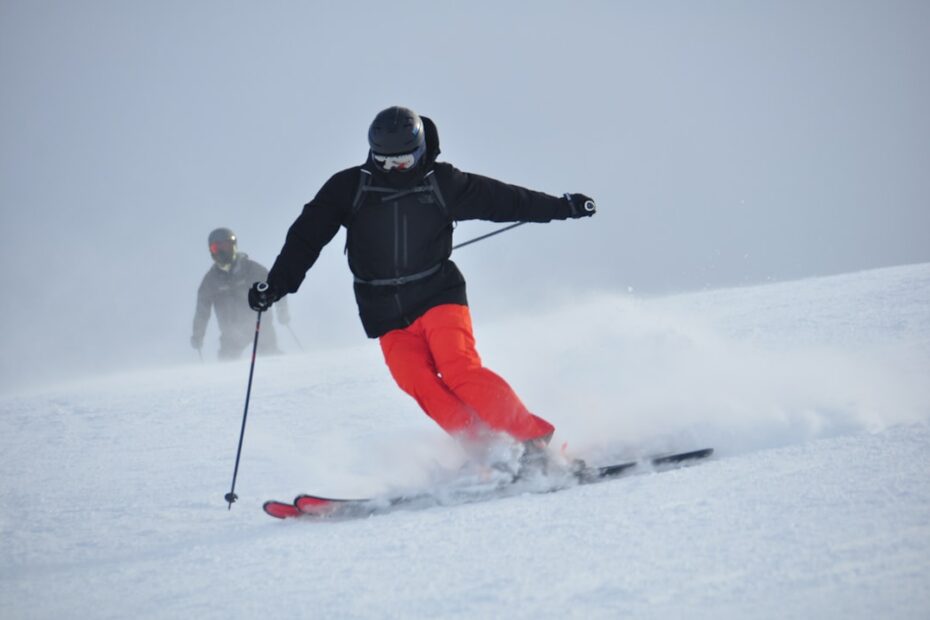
[(231, 496), (296, 339), (588, 206), (490, 234)]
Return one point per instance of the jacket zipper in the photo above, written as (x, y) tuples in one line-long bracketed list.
[(406, 244), (400, 308)]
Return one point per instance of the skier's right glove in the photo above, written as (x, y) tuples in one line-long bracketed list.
[(261, 296), (582, 206)]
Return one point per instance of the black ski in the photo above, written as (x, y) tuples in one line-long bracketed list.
[(316, 507), (590, 474)]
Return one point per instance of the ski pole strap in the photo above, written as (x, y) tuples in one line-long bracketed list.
[(402, 279)]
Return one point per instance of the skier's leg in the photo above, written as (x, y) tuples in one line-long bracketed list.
[(230, 347), (407, 356), (448, 330)]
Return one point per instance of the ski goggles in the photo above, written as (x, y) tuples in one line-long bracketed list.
[(403, 161), (225, 247)]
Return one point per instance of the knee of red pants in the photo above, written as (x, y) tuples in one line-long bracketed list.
[(412, 377), (408, 380), (460, 371), (406, 357), (416, 375)]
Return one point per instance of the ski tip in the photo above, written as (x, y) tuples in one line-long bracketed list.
[(317, 506), (280, 510), (683, 457)]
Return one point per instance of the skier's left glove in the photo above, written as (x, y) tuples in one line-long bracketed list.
[(262, 296), (581, 205)]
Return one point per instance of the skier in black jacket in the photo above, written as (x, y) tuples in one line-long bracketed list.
[(225, 289), (398, 209)]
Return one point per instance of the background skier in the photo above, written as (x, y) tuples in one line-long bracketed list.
[(225, 289), (398, 209)]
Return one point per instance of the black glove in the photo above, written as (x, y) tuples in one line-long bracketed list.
[(582, 206), (261, 296), (197, 342)]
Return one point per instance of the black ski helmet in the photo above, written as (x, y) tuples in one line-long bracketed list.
[(395, 131), (223, 246)]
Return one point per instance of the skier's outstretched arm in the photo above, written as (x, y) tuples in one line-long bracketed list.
[(477, 197)]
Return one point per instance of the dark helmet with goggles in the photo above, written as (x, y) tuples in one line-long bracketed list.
[(222, 243), (397, 139)]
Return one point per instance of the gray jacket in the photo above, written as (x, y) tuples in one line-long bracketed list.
[(226, 292)]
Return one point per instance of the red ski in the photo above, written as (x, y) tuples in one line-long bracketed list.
[(316, 507), (308, 505), (281, 510)]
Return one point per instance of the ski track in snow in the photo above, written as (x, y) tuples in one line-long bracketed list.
[(818, 505)]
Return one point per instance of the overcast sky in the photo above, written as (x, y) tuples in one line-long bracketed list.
[(727, 143)]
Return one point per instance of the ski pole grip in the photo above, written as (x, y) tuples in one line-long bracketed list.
[(262, 287), (589, 206)]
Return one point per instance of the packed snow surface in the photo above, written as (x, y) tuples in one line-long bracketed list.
[(814, 393)]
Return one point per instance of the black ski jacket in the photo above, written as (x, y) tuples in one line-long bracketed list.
[(399, 233)]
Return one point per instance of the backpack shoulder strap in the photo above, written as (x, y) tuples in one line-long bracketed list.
[(434, 185), (364, 180)]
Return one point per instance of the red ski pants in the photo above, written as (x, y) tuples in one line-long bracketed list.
[(435, 361)]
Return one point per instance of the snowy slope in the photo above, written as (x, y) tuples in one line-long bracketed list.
[(813, 392)]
